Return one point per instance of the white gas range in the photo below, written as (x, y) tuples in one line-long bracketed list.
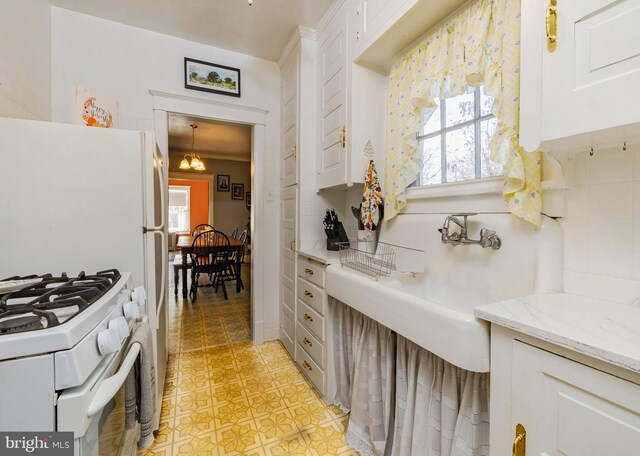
[(64, 356)]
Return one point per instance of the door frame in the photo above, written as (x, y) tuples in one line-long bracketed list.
[(198, 177), (165, 103)]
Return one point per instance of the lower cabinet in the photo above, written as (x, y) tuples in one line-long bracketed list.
[(568, 407), (312, 333)]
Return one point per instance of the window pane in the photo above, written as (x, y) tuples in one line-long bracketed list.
[(459, 109), (486, 101), (431, 161), (461, 157), (433, 124), (487, 167)]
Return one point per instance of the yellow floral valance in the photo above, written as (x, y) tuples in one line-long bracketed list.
[(481, 45)]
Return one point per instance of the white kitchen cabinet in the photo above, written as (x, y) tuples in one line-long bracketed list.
[(584, 93), (290, 83), (288, 222), (314, 349), (569, 404), (351, 104), (571, 409)]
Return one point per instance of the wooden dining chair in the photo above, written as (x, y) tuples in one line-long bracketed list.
[(210, 256), (234, 233), (236, 257), (202, 227)]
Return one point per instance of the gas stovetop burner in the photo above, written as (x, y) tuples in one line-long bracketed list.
[(40, 305), (19, 324)]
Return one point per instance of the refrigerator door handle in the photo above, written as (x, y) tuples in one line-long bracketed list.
[(163, 282), (163, 209)]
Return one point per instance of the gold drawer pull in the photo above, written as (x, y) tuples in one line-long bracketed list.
[(520, 442), (307, 365), (308, 294), (307, 342), (308, 317), (552, 25), (308, 271)]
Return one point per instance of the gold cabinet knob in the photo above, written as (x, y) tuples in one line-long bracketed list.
[(308, 317), (307, 342), (308, 294), (308, 271), (307, 365)]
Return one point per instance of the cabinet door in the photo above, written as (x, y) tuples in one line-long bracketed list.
[(289, 167), (569, 409), (332, 65), (289, 204), (590, 81)]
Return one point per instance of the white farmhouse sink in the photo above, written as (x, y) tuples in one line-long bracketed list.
[(435, 309)]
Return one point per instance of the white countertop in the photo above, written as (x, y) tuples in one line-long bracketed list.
[(601, 329), (321, 254)]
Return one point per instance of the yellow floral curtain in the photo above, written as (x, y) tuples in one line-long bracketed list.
[(481, 45)]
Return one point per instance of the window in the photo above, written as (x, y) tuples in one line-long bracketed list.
[(455, 141), (179, 198)]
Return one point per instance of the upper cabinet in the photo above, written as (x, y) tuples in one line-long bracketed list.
[(332, 79), (298, 89), (290, 76), (351, 103), (580, 70)]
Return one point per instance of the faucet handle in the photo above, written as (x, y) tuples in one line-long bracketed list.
[(489, 239)]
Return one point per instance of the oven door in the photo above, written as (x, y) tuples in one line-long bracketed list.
[(95, 411)]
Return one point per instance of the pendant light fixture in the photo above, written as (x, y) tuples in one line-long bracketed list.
[(193, 161)]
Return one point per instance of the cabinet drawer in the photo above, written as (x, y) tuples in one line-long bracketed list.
[(311, 320), (312, 271), (310, 369), (311, 344), (312, 295)]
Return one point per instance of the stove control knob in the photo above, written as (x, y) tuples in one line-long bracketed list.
[(131, 310), (108, 341), (121, 326), (139, 295)]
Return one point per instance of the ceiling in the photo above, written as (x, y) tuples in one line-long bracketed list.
[(221, 140), (261, 30)]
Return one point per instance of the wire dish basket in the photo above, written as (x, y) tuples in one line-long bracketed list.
[(379, 259)]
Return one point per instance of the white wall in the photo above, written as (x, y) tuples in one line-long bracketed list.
[(123, 63), (25, 59), (602, 214)]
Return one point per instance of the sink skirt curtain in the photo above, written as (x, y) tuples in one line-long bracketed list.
[(405, 400), (441, 409), (364, 358)]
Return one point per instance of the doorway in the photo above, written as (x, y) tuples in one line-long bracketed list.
[(166, 104)]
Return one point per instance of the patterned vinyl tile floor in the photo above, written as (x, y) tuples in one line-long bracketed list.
[(225, 396)]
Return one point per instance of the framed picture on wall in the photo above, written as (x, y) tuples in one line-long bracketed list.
[(211, 77), (237, 191), (248, 198), (223, 184)]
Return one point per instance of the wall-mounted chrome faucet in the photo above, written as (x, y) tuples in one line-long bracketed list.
[(488, 238)]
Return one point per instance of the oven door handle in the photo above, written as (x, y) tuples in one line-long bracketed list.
[(109, 387)]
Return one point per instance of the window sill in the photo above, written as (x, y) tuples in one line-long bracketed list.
[(488, 186)]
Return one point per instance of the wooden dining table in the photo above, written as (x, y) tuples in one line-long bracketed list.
[(184, 245)]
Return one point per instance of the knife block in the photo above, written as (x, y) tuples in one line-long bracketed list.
[(342, 239)]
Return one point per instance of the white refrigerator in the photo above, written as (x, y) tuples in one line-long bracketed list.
[(76, 198)]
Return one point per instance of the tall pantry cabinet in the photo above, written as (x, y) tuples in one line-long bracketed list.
[(297, 66)]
